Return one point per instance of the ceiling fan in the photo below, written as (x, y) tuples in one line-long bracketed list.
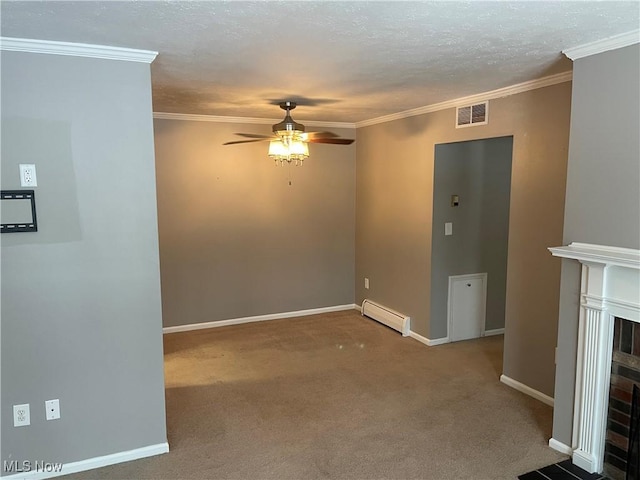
[(289, 142)]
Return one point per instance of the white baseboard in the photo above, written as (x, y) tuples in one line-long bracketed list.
[(560, 447), (426, 341), (258, 318), (584, 461), (495, 331), (440, 341), (91, 463), (521, 387)]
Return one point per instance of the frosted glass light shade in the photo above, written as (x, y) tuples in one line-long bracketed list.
[(277, 149), (299, 149)]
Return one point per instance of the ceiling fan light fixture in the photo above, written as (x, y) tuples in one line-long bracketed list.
[(290, 143), (292, 151)]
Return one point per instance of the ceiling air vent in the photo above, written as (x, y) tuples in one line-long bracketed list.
[(472, 115)]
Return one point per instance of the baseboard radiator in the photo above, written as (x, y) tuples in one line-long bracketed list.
[(386, 316)]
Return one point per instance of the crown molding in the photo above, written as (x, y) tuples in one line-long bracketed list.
[(472, 99), (211, 118), (604, 45), (258, 121), (76, 49)]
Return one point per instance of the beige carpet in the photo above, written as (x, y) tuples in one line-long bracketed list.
[(339, 396)]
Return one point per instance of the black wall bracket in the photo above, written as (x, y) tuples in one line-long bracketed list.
[(20, 214)]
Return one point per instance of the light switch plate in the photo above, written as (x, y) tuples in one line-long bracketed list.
[(52, 408), (448, 228)]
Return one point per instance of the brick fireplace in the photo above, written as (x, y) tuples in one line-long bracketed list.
[(625, 372), (609, 289)]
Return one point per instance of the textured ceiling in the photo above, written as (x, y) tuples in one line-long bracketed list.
[(346, 61)]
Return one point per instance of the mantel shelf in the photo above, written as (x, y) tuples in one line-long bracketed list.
[(606, 255)]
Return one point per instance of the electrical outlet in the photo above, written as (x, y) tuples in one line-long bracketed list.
[(28, 175), (21, 416), (52, 409), (366, 283)]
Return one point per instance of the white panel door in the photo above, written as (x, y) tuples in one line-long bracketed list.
[(467, 304)]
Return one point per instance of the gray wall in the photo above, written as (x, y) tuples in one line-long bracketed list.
[(479, 172), (394, 192), (81, 309), (236, 239), (603, 190)]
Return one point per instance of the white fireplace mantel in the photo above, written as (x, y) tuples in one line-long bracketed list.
[(609, 288)]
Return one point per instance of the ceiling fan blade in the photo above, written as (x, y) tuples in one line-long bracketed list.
[(253, 135), (236, 142), (313, 135), (334, 141), (291, 129)]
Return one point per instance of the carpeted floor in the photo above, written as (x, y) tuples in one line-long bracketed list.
[(339, 396)]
